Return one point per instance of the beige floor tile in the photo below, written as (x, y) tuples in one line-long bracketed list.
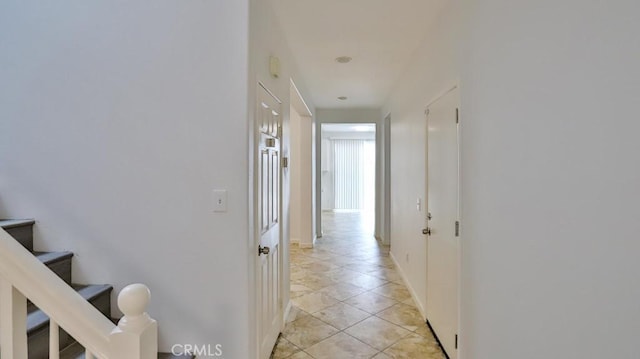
[(316, 281), (284, 349), (382, 355), (382, 261), (363, 267), (343, 281), (393, 290), (387, 274), (410, 302), (300, 355), (341, 315), (300, 259), (371, 302), (341, 345), (342, 291), (321, 254), (298, 290), (365, 281), (297, 273), (415, 346), (342, 274), (307, 331), (295, 313), (425, 332), (403, 315), (342, 260), (319, 266), (314, 302), (377, 333)]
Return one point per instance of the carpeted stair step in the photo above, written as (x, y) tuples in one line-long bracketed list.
[(38, 322), (58, 262), (21, 230), (76, 351)]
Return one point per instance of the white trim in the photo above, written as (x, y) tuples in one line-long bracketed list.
[(308, 245), (298, 102), (442, 94), (285, 313), (422, 310)]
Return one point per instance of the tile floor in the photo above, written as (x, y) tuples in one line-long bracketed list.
[(349, 301)]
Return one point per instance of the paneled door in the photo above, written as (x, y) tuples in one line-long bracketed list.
[(268, 210), (443, 218)]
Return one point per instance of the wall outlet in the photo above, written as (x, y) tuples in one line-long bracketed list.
[(219, 200)]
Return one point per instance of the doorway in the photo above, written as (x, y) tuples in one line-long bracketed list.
[(348, 172)]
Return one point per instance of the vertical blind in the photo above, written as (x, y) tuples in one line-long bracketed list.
[(354, 174)]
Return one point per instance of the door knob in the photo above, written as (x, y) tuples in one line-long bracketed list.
[(263, 250), (427, 231)]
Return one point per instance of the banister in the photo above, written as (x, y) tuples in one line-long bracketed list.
[(54, 296), (134, 337)]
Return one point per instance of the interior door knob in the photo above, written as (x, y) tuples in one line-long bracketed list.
[(427, 231), (263, 250)]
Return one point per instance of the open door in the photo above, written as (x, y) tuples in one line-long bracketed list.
[(443, 220), (268, 278)]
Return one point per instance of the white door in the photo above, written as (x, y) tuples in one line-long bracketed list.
[(443, 220), (268, 210)]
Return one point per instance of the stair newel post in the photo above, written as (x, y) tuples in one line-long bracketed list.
[(13, 322), (136, 336)]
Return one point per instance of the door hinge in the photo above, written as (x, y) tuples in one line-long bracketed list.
[(285, 162), (457, 115), (457, 228), (426, 112), (456, 341)]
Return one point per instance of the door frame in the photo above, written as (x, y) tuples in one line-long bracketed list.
[(383, 159), (296, 100)]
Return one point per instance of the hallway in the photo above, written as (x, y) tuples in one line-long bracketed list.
[(349, 301)]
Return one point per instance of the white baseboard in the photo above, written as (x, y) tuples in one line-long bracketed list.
[(421, 309), (294, 240), (380, 239), (308, 245), (285, 314)]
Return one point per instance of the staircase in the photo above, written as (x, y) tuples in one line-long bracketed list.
[(99, 295)]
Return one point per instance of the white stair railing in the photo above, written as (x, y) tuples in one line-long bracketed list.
[(23, 276)]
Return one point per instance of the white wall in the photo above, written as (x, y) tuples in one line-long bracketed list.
[(550, 180), (118, 120), (432, 71)]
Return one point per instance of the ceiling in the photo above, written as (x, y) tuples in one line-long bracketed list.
[(380, 35)]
